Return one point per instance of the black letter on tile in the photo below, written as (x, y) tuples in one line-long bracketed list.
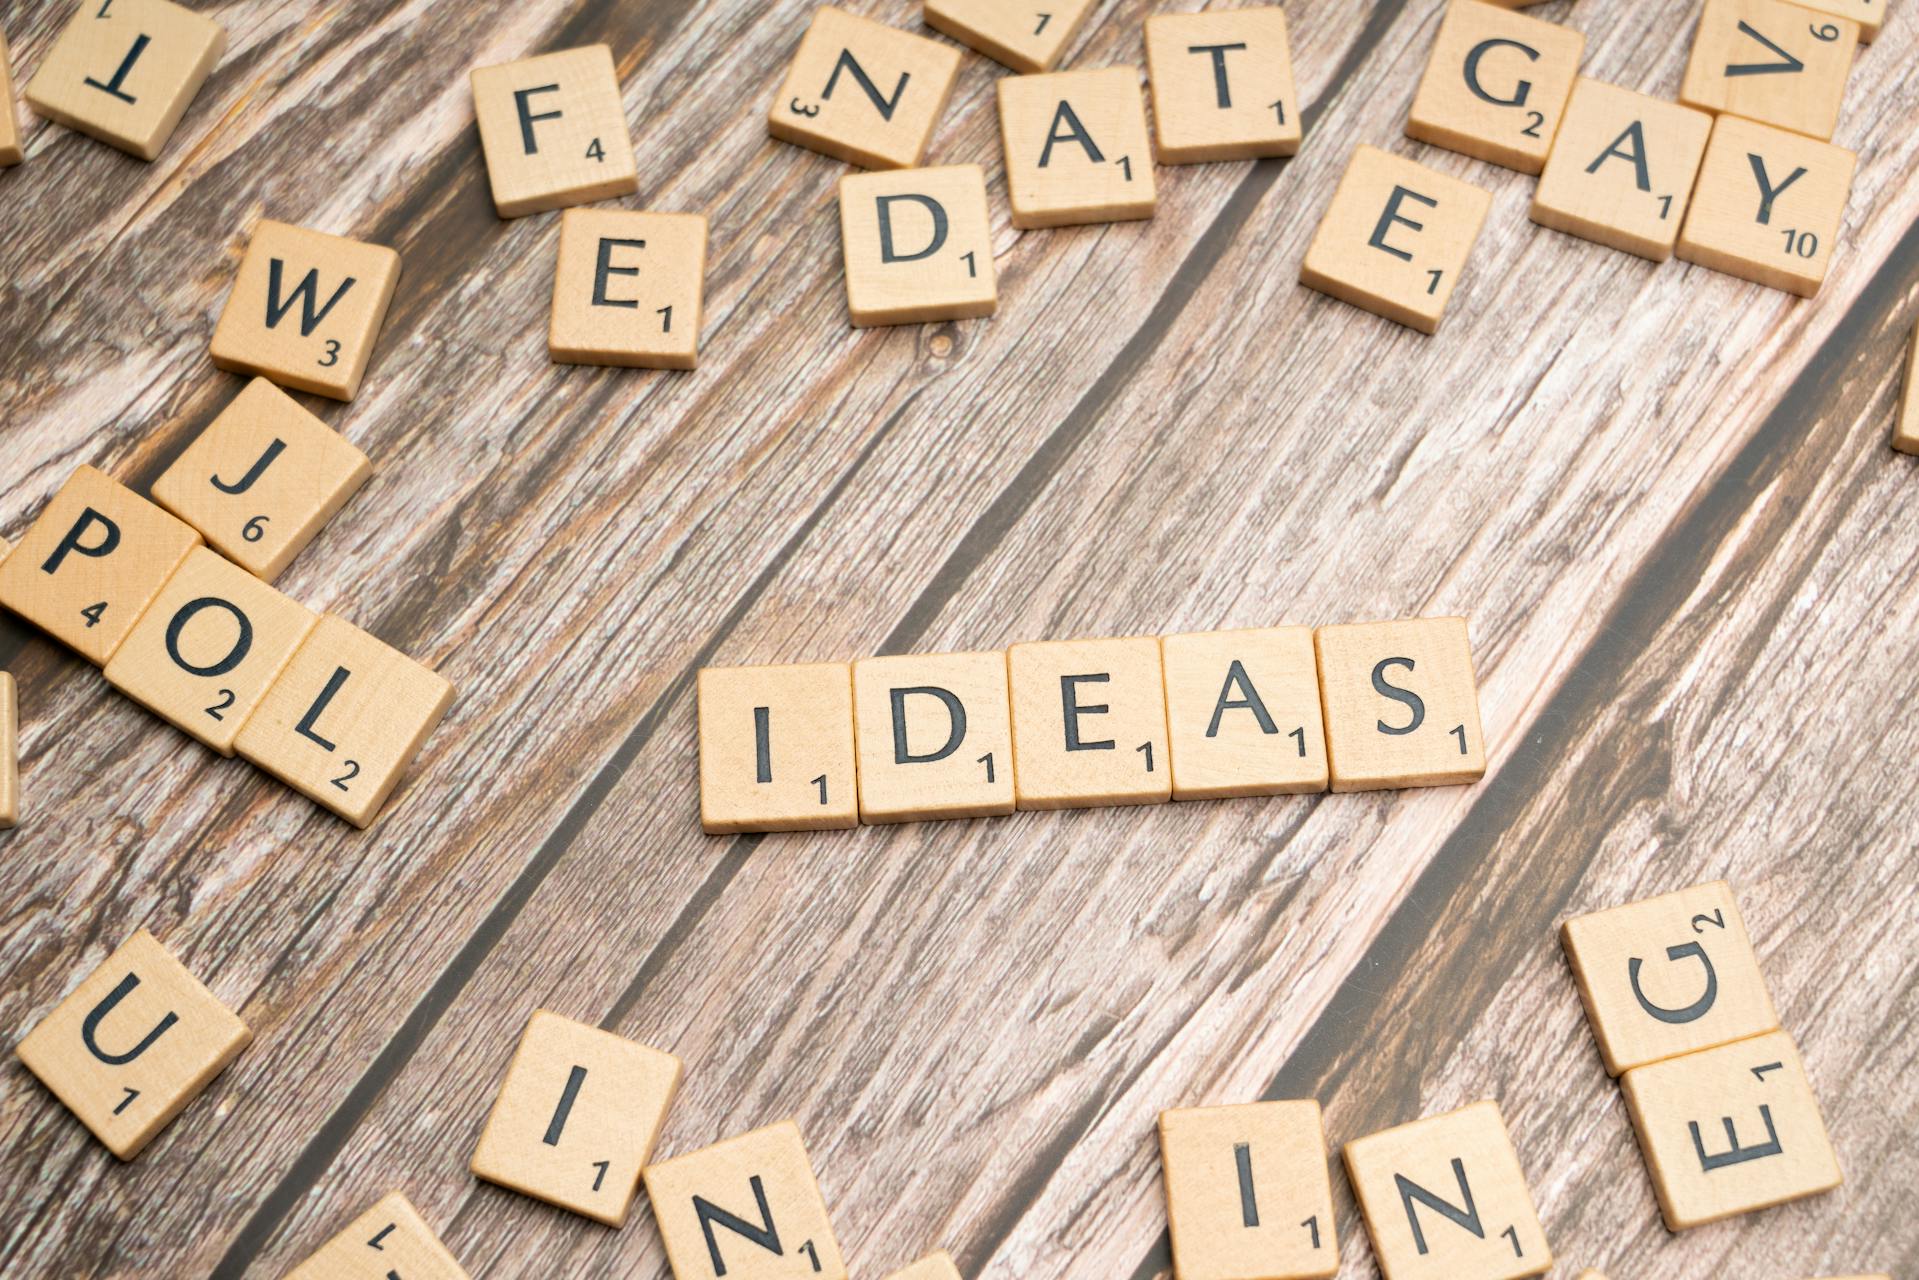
[(1790, 64), (308, 726), (90, 1028), (258, 469), (242, 643), (1248, 1206), (1236, 675), (520, 96), (1736, 1153), (955, 714), (1692, 1012), (1467, 1217), (1636, 133), (109, 539), (112, 86), (1219, 52), (1388, 218), (1412, 700), (1069, 699), (554, 1127), (306, 293), (604, 267), (1766, 190), (888, 253), (762, 744), (848, 62), (766, 1236), (1075, 132), (1525, 87)]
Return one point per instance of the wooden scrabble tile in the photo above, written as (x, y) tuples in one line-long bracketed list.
[(1222, 85), (390, 1239), (1076, 148), (123, 71), (1730, 1130), (863, 92), (1242, 713), (204, 654), (1669, 975), (10, 152), (934, 734), (1869, 14), (1395, 238), (1444, 1198), (1401, 706), (918, 245), (1590, 1274), (344, 720), (136, 1041), (934, 1266), (630, 289), (92, 563), (1622, 170), (553, 129), (1766, 60), (577, 1117), (306, 309), (776, 748), (9, 753), (1768, 207), (747, 1208), (1026, 35), (1247, 1192), (262, 480), (1495, 87), (1905, 436), (1089, 723)]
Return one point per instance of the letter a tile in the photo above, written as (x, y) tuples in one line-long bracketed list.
[(390, 1239), (1496, 85), (1026, 35), (1222, 85), (1076, 148), (1622, 170), (934, 735), (1444, 1198), (1769, 206), (123, 71), (1395, 238), (747, 1208), (1773, 62), (577, 1117), (554, 131), (918, 245), (1401, 706), (776, 748), (137, 1040), (1247, 1192), (1089, 723), (864, 93), (1242, 713), (629, 290)]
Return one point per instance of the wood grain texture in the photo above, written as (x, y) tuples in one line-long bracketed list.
[(1662, 495)]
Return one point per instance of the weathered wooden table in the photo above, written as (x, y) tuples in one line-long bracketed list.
[(1663, 496)]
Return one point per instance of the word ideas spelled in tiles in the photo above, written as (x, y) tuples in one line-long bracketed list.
[(344, 720), (776, 748), (577, 1117), (1730, 1130), (1444, 1198), (553, 129), (746, 1208), (92, 563), (9, 752), (1222, 85), (306, 309), (1770, 61), (1622, 170), (934, 736), (1089, 723), (1905, 436), (918, 245), (630, 289), (934, 1266), (1401, 706), (123, 71), (204, 654), (1026, 35), (10, 152), (1395, 238), (136, 1041), (1768, 206), (262, 480), (1496, 85), (1242, 713), (390, 1239), (1248, 1196), (1668, 976), (863, 92), (1076, 148)]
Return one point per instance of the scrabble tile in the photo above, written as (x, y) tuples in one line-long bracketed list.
[(1768, 207), (630, 289), (862, 92), (918, 245), (776, 748), (1622, 169), (1247, 1192), (136, 1041), (9, 753), (1905, 437), (1242, 713), (1401, 706), (1089, 723), (1076, 148), (306, 309), (262, 480), (344, 720), (1444, 1198), (92, 563), (390, 1239), (553, 129), (1668, 975), (204, 654), (1496, 85), (577, 1117), (1729, 1130), (123, 71), (934, 1266), (1222, 85), (934, 735), (10, 152), (1590, 1274), (1026, 35), (1773, 62), (747, 1208), (1395, 238), (1869, 14)]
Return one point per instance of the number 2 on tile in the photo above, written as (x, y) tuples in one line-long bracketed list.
[(352, 772)]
